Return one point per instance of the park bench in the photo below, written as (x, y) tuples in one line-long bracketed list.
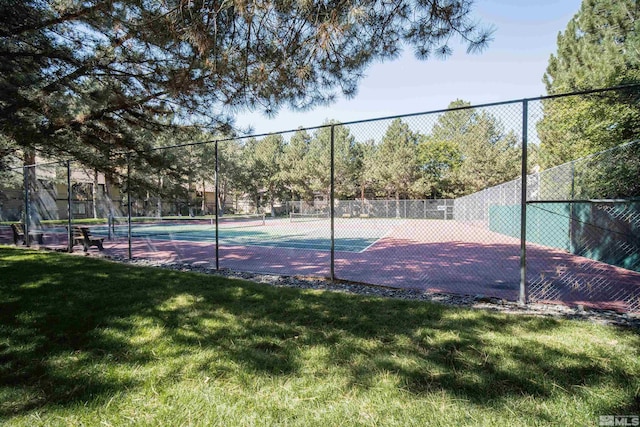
[(82, 236), (18, 235)]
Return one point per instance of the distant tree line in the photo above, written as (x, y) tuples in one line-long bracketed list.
[(466, 150)]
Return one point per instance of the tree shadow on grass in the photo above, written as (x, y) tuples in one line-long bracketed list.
[(71, 325)]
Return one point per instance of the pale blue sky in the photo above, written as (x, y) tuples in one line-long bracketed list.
[(510, 68)]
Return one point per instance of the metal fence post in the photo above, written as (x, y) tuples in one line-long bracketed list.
[(523, 206), (129, 204), (331, 204), (216, 207), (571, 206), (69, 209)]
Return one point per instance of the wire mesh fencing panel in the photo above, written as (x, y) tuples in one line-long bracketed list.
[(160, 213), (226, 204), (46, 204), (379, 208), (492, 208), (428, 201), (583, 221), (96, 203), (40, 198), (12, 202), (418, 165), (261, 229)]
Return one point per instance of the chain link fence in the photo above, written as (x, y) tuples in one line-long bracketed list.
[(366, 208), (41, 204), (431, 201)]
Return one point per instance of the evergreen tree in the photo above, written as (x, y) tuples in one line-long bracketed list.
[(8, 154), (232, 171), (264, 161), (346, 161), (469, 150), (396, 169), (440, 161), (366, 173), (295, 170), (491, 155), (84, 78), (599, 48)]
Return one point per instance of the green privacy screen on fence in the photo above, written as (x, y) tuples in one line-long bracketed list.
[(607, 232)]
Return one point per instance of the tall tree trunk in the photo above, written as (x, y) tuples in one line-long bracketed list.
[(235, 202), (190, 191), (94, 193), (159, 201), (204, 198), (30, 186), (271, 202), (108, 182)]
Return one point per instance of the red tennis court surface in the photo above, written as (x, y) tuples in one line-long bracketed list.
[(429, 255)]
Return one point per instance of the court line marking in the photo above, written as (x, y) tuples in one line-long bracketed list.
[(384, 236), (279, 241), (282, 243)]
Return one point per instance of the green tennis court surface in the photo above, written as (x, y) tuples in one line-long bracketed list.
[(275, 233)]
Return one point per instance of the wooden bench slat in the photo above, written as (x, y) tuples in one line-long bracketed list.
[(82, 235), (18, 235)]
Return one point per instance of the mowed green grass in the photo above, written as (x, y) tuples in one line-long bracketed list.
[(90, 342)]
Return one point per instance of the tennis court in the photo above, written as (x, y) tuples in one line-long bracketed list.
[(429, 255), (307, 232)]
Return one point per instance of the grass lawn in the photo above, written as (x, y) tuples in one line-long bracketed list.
[(89, 342)]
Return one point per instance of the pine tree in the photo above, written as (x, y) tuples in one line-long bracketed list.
[(468, 150), (346, 161), (294, 171), (598, 49), (264, 162), (90, 78), (396, 168), (232, 171)]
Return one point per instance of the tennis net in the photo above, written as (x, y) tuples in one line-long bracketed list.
[(302, 217), (147, 226), (244, 220)]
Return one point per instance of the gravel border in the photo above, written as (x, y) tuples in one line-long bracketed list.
[(605, 317)]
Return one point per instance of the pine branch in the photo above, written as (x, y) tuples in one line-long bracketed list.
[(48, 23)]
